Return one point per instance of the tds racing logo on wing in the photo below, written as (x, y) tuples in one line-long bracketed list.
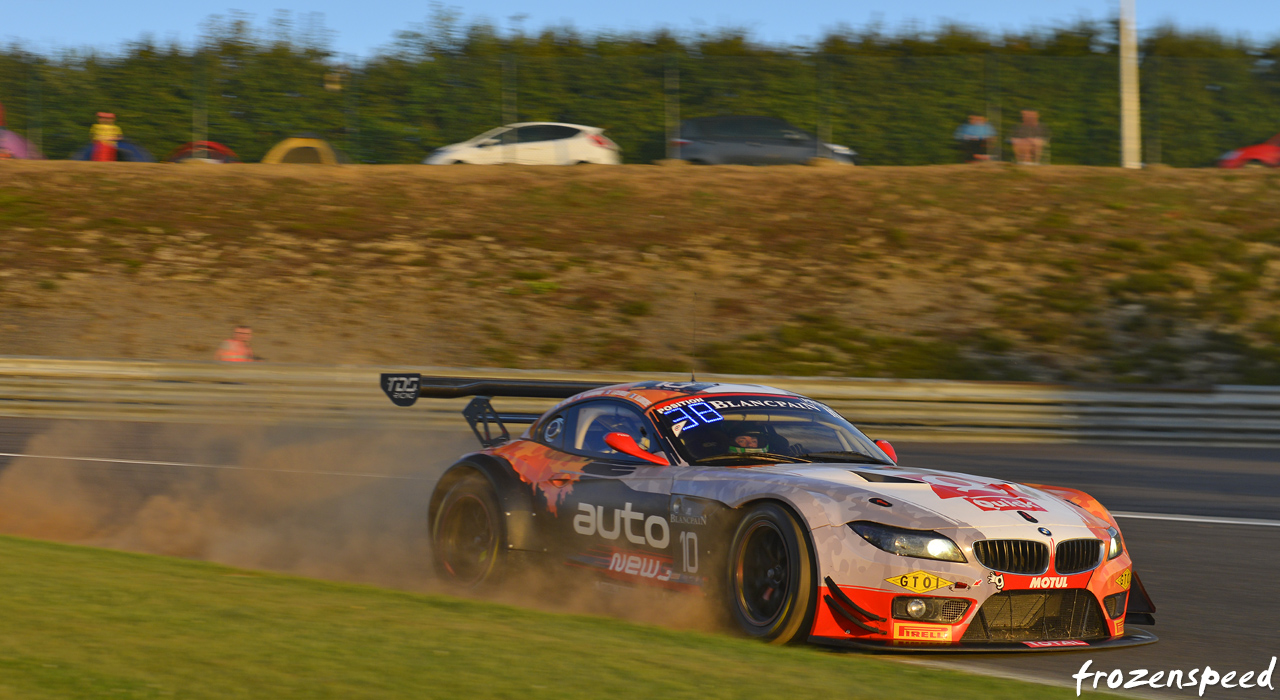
[(653, 529), (401, 388)]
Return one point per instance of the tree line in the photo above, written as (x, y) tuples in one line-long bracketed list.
[(893, 97)]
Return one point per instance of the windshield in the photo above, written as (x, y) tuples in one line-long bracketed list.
[(490, 134), (753, 428)]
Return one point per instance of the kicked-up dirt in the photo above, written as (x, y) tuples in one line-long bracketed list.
[(1051, 273)]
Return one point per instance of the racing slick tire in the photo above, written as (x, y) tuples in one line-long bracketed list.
[(468, 536), (771, 587)]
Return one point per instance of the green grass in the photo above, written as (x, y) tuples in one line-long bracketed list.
[(80, 622)]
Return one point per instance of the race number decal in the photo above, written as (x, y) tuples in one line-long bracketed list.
[(401, 388)]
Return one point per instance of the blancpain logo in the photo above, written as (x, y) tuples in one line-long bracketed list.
[(655, 532), (1049, 582)]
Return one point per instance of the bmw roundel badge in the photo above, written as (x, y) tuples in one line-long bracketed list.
[(1045, 531)]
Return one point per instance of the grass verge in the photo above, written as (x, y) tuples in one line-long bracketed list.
[(80, 622)]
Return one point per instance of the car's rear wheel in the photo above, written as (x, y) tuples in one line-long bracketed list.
[(771, 589), (468, 537)]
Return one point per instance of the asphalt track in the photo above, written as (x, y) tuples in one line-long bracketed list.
[(1214, 584)]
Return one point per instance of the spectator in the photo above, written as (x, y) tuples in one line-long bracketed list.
[(237, 348), (974, 137), (105, 136), (1029, 138)]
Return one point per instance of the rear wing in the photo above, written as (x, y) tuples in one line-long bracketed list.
[(489, 426)]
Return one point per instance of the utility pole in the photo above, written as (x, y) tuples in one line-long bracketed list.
[(1130, 109)]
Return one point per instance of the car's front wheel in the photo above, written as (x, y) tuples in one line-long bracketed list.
[(468, 537), (771, 581)]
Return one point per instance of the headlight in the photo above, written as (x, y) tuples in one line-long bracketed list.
[(922, 544), (1115, 547)]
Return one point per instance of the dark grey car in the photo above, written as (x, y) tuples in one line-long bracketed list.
[(744, 140)]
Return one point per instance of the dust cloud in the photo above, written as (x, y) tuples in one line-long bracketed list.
[(276, 510), (338, 504)]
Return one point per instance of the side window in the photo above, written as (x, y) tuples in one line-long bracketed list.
[(555, 133), (553, 431), (596, 419), (540, 132)]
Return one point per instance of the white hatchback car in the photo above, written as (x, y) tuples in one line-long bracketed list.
[(531, 143)]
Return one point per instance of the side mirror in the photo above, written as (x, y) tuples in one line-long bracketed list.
[(627, 445), (888, 449)]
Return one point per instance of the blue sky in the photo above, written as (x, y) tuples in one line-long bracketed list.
[(361, 27)]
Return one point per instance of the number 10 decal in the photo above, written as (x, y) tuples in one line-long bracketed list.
[(689, 541)]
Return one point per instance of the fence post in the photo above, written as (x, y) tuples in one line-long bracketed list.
[(510, 111), (671, 96), (994, 117), (1153, 148), (824, 101), (199, 101), (35, 107)]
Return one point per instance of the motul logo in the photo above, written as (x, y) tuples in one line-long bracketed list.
[(1049, 582)]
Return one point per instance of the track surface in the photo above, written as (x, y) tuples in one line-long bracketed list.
[(1213, 584)]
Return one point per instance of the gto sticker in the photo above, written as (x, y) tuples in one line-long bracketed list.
[(1124, 578), (919, 582), (921, 633), (1058, 643)]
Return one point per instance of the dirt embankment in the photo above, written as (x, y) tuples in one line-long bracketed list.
[(951, 271)]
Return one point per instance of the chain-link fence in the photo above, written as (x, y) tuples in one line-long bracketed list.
[(397, 108)]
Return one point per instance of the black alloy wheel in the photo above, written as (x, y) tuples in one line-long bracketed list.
[(771, 579), (468, 540)]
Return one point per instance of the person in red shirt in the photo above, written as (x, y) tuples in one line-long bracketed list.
[(237, 348), (105, 137)]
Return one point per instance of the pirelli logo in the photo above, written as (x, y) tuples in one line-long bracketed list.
[(908, 632)]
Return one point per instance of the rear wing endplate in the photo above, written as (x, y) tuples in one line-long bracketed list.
[(489, 426)]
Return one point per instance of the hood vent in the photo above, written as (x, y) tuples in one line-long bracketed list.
[(1013, 556), (884, 478)]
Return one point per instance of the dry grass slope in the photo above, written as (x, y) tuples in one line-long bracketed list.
[(1055, 273)]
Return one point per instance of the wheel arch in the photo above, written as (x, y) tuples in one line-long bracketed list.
[(806, 528), (515, 497), (815, 565)]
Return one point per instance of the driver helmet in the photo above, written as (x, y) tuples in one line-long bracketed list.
[(749, 439)]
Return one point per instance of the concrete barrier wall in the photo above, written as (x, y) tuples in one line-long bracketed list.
[(207, 392)]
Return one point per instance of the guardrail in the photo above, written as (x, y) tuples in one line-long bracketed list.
[(207, 392)]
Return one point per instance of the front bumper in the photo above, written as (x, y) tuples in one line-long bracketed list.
[(1133, 637)]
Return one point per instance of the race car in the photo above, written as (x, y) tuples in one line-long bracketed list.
[(778, 510)]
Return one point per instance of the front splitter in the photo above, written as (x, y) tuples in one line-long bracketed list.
[(1133, 638)]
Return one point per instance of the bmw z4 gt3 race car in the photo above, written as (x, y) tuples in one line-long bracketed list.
[(779, 509)]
